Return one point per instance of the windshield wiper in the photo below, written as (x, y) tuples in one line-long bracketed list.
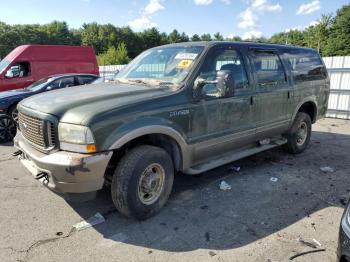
[(138, 81), (166, 83)]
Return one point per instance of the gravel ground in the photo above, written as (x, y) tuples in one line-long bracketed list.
[(257, 220)]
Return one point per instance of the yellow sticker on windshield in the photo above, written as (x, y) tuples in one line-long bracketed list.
[(184, 63)]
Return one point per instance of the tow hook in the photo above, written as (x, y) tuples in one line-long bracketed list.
[(17, 153), (41, 175)]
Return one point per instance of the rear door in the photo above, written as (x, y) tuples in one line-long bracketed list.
[(274, 92)]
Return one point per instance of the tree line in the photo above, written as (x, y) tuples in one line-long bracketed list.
[(117, 45)]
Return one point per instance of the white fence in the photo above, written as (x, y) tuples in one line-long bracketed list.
[(339, 73)]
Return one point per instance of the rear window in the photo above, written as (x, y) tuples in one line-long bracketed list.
[(306, 65)]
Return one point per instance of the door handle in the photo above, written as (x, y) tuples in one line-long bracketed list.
[(290, 94), (252, 100)]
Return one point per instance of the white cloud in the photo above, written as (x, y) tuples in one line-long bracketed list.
[(153, 7), (314, 22), (226, 2), (203, 2), (264, 6), (252, 34), (142, 23), (249, 19), (302, 28), (309, 8)]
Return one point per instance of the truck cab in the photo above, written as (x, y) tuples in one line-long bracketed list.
[(186, 107)]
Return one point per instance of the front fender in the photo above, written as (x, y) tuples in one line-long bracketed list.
[(127, 132)]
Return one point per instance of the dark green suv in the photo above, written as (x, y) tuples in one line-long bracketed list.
[(186, 107)]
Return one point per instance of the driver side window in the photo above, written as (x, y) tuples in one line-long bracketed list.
[(218, 60), (18, 70)]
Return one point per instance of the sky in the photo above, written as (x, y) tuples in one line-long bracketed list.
[(244, 18)]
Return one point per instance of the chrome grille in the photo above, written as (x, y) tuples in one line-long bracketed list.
[(37, 131)]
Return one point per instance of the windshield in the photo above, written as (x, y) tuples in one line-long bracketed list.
[(161, 66), (3, 65), (39, 84)]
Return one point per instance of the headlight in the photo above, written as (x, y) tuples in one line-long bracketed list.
[(76, 138)]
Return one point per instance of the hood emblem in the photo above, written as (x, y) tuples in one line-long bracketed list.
[(23, 126)]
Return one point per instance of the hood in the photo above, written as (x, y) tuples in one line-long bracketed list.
[(76, 104), (14, 93)]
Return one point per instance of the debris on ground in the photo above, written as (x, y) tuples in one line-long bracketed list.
[(235, 168), (316, 242), (307, 252), (211, 253), (90, 222), (307, 243), (273, 179), (224, 186), (327, 169)]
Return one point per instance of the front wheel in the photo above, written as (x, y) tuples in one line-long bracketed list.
[(299, 134), (142, 182), (8, 128)]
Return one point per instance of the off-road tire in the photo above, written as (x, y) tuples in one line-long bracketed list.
[(292, 146), (125, 181)]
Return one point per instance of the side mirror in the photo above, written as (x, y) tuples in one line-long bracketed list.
[(224, 85), (116, 72), (9, 74)]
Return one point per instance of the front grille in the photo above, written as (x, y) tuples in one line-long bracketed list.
[(37, 131)]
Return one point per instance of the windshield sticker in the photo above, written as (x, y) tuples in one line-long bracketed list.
[(184, 63), (186, 56)]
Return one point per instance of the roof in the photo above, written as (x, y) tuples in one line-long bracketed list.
[(72, 74), (249, 44)]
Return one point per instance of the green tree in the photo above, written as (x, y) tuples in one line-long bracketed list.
[(206, 37), (195, 38), (174, 37), (114, 56), (218, 37), (338, 42)]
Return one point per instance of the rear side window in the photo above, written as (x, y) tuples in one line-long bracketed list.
[(306, 65), (269, 69), (83, 80), (63, 82)]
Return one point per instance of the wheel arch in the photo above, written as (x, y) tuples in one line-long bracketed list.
[(308, 106), (164, 137)]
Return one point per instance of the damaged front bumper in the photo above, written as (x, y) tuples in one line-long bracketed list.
[(64, 172)]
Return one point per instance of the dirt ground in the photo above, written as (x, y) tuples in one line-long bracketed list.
[(259, 219)]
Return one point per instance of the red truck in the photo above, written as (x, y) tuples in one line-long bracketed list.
[(29, 63)]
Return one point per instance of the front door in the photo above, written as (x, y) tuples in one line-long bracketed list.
[(227, 118), (20, 76)]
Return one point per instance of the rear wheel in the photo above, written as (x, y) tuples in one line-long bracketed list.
[(8, 128), (299, 134), (142, 182)]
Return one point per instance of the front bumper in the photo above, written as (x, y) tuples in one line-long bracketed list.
[(67, 172)]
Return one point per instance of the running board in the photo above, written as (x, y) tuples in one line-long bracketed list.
[(230, 157)]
